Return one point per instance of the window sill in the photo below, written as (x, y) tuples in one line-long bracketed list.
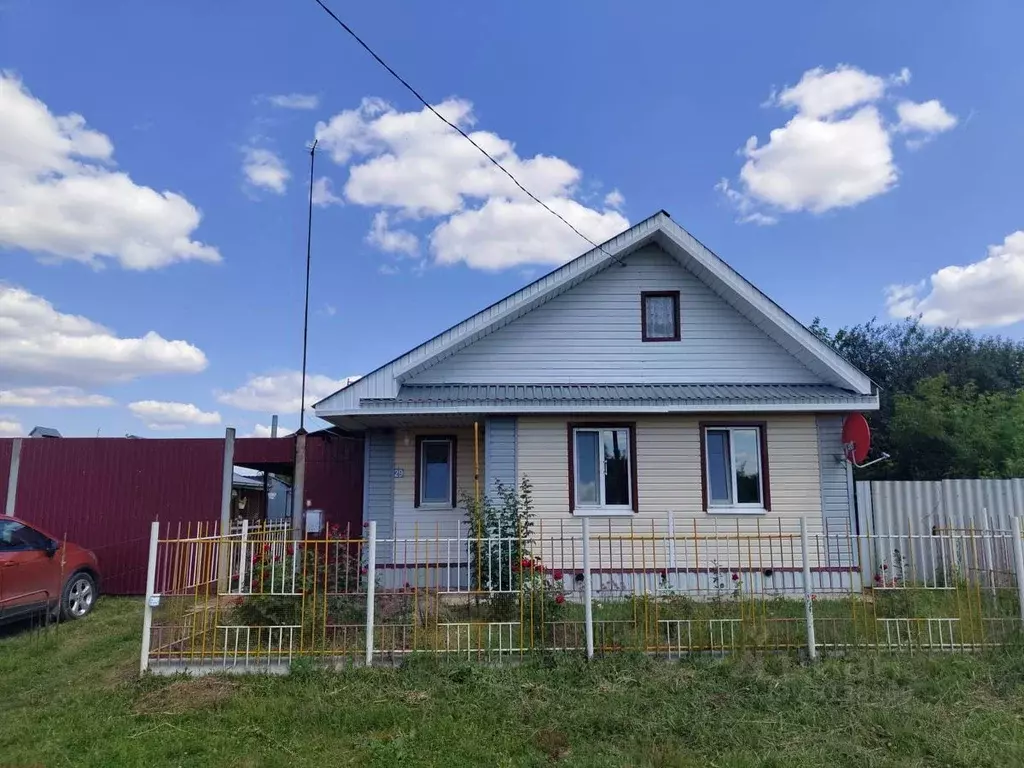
[(603, 512), (436, 505), (736, 511)]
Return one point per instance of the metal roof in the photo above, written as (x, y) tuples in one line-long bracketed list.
[(626, 395)]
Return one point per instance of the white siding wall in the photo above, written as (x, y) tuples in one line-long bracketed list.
[(591, 334)]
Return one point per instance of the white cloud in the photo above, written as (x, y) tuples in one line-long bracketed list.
[(262, 430), (926, 117), (388, 269), (413, 164), (816, 165), (53, 397), (391, 240), (295, 100), (835, 152), (614, 199), (10, 428), (506, 233), (822, 94), (264, 169), (323, 193), (166, 415), (41, 346), (61, 197), (985, 293), (281, 392)]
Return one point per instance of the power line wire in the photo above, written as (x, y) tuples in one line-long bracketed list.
[(461, 132)]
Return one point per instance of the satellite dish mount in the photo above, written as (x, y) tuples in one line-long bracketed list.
[(857, 441)]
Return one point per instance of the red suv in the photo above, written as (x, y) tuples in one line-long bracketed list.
[(40, 574)]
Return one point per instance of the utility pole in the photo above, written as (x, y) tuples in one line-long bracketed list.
[(299, 480), (305, 316)]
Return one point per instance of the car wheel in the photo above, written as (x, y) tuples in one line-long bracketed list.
[(79, 596)]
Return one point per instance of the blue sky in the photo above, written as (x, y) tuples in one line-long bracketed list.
[(896, 155)]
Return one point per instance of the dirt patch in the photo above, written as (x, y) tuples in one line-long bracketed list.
[(185, 696), (553, 743)]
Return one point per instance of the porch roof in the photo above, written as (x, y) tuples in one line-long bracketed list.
[(562, 397)]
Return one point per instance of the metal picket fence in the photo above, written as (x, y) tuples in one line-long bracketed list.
[(257, 598)]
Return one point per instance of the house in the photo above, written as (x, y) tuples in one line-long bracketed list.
[(645, 379)]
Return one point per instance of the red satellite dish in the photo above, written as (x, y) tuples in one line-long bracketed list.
[(856, 437)]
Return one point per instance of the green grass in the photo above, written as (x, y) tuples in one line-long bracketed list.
[(71, 697)]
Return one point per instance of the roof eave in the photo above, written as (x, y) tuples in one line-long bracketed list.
[(867, 403)]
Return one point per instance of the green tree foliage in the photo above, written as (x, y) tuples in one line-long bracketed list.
[(941, 431), (950, 399)]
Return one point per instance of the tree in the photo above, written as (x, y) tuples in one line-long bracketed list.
[(902, 355)]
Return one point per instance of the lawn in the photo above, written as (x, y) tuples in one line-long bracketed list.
[(71, 696)]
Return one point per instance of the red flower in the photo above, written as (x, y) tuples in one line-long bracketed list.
[(266, 547), (735, 577), (290, 550), (878, 578), (525, 564), (538, 568), (255, 558), (885, 566), (407, 585), (559, 598), (363, 570), (814, 597), (557, 574), (277, 558)]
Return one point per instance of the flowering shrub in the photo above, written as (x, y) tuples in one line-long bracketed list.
[(293, 583), (499, 532)]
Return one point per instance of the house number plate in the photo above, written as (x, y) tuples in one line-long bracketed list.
[(399, 472)]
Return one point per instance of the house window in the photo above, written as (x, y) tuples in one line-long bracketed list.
[(659, 315), (435, 471), (602, 469), (734, 461)]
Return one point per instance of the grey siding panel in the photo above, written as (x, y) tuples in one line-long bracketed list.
[(380, 485), (500, 453), (591, 335), (836, 512)]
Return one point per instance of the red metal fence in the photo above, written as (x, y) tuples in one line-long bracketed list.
[(103, 493)]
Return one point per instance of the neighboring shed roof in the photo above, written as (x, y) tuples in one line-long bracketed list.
[(817, 356), (44, 432), (674, 397)]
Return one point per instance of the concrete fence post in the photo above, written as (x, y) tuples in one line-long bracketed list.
[(147, 613), (12, 477), (1018, 563), (371, 586), (588, 601), (226, 483), (805, 549)]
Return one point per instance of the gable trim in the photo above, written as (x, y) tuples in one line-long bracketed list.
[(384, 382)]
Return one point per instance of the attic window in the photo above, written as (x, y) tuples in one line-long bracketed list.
[(659, 315)]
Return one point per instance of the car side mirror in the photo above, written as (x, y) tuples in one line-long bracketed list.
[(51, 547)]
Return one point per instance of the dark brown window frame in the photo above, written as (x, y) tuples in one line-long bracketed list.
[(766, 486), (571, 427), (453, 441), (674, 295)]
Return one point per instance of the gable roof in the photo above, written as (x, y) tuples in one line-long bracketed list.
[(743, 296)]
